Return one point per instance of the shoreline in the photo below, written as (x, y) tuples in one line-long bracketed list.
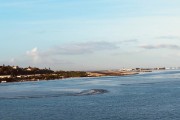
[(110, 73), (43, 77), (61, 75)]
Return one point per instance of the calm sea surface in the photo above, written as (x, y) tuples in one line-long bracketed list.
[(148, 96)]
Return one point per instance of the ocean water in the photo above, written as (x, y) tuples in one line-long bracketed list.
[(147, 96)]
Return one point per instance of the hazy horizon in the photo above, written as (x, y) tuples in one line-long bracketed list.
[(91, 34)]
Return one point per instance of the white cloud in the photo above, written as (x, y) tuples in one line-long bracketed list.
[(34, 54), (12, 60)]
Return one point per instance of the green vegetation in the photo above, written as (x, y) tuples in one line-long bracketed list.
[(17, 74), (67, 74), (15, 70)]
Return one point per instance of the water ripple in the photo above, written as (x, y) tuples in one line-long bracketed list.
[(82, 93)]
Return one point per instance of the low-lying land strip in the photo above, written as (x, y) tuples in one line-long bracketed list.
[(110, 73), (17, 74)]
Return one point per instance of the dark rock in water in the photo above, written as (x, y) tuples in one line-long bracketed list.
[(91, 92)]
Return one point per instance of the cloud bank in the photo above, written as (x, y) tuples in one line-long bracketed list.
[(81, 48), (161, 46), (70, 55), (169, 37)]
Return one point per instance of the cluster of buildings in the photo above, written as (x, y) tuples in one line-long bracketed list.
[(142, 69)]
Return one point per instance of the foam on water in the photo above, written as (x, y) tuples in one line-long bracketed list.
[(92, 92)]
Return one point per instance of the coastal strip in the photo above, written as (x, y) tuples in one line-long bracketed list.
[(18, 74)]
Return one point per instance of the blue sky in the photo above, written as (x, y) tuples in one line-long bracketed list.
[(90, 34)]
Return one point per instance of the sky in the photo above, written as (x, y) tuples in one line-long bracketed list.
[(90, 34)]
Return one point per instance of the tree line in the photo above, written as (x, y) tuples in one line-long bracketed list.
[(15, 70), (18, 74)]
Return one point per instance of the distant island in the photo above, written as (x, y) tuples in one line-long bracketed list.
[(19, 74)]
